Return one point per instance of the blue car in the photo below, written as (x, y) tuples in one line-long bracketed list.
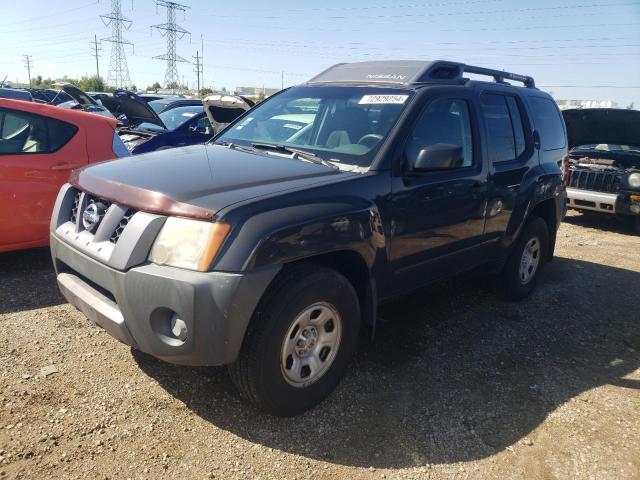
[(180, 127), (144, 129)]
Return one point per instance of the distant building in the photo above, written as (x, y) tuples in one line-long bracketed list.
[(255, 92), (565, 104)]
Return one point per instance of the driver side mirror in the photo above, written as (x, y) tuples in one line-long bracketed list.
[(197, 130), (439, 156)]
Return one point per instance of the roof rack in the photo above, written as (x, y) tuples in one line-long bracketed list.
[(411, 72), (500, 76)]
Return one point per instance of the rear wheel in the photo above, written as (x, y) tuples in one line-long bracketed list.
[(524, 266), (299, 341)]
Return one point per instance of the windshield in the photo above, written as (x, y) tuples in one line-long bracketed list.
[(158, 105), (339, 124), (174, 118), (610, 147)]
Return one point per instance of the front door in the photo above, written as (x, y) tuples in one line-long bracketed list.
[(198, 130), (439, 213), (37, 154)]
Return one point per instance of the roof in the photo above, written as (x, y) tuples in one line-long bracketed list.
[(54, 111), (411, 72)]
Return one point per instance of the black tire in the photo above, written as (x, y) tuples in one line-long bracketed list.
[(259, 373), (511, 281)]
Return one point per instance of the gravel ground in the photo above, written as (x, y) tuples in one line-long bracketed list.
[(457, 384)]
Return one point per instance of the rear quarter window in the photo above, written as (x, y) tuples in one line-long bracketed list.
[(548, 122), (59, 133)]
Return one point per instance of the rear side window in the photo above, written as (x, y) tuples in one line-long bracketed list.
[(548, 123), (22, 132), (504, 125), (59, 133)]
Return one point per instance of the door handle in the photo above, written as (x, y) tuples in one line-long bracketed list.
[(63, 166)]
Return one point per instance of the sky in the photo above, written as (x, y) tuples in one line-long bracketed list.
[(575, 49)]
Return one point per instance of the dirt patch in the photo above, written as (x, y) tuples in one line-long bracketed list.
[(457, 384)]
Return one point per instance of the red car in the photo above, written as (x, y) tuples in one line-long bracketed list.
[(39, 146)]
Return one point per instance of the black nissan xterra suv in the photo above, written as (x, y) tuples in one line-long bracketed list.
[(269, 248)]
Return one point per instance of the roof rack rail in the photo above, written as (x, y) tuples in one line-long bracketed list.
[(500, 76), (411, 72)]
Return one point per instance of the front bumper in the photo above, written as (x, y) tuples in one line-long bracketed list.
[(613, 203), (135, 306)]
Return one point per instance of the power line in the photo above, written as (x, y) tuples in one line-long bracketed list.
[(28, 62), (172, 31), (56, 13), (118, 69)]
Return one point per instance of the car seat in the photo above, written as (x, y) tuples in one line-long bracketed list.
[(15, 142), (37, 141), (348, 126)]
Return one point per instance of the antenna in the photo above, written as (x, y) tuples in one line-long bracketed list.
[(172, 31), (28, 62), (118, 71)]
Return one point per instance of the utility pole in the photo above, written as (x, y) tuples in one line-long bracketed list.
[(172, 31), (202, 58), (198, 69), (118, 69), (94, 51), (28, 62), (282, 80)]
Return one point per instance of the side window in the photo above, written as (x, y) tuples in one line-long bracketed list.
[(501, 139), (59, 133), (548, 123), (445, 122), (22, 132), (516, 124), (206, 124)]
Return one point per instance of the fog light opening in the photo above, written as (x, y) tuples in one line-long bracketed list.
[(178, 327)]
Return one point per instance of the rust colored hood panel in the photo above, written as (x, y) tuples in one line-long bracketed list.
[(197, 181)]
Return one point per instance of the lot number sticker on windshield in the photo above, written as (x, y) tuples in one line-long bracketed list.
[(383, 99)]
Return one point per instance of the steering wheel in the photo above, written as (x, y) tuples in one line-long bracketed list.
[(370, 140)]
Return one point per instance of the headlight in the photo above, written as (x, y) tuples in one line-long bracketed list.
[(634, 180), (188, 243)]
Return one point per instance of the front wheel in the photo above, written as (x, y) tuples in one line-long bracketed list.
[(524, 266), (299, 341)]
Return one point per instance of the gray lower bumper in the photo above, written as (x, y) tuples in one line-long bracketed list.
[(590, 200), (135, 306)]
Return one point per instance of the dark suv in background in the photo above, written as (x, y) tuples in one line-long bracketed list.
[(269, 248)]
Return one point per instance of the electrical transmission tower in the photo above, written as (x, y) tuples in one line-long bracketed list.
[(118, 71), (28, 63), (172, 31)]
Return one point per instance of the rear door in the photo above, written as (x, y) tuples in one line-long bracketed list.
[(37, 154), (511, 155)]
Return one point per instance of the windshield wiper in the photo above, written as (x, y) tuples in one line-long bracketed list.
[(297, 153)]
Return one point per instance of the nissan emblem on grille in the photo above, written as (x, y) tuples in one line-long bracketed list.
[(92, 215)]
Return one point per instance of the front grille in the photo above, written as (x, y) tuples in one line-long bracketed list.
[(121, 226), (74, 211), (595, 180), (80, 205)]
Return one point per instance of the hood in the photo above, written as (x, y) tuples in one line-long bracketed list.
[(78, 95), (602, 125), (133, 107), (224, 109), (197, 181)]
